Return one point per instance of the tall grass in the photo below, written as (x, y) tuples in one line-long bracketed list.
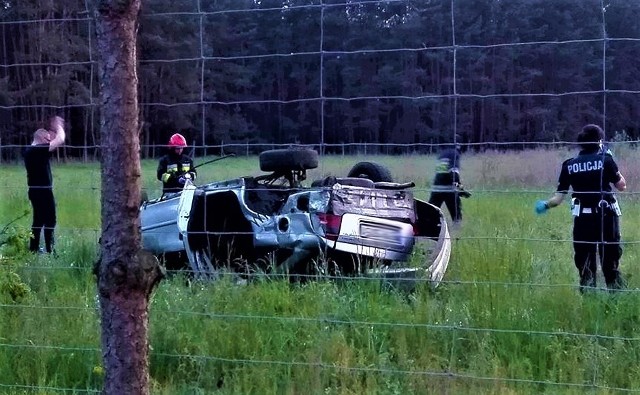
[(507, 320)]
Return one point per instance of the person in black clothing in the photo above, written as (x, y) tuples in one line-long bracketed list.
[(40, 182), (174, 169), (596, 228), (447, 185)]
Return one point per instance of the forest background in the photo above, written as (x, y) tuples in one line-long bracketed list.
[(398, 75)]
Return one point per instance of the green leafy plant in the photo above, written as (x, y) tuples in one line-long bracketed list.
[(12, 288), (14, 240), (13, 243)]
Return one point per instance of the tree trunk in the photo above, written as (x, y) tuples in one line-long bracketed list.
[(126, 274)]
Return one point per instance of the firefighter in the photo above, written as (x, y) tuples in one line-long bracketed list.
[(175, 168), (596, 227)]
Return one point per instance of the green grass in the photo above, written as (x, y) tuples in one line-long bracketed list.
[(507, 320)]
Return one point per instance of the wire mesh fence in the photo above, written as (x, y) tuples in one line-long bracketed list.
[(508, 311)]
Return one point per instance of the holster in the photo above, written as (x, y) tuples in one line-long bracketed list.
[(575, 207), (610, 208)]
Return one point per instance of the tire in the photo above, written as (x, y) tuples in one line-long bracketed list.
[(373, 171), (288, 159)]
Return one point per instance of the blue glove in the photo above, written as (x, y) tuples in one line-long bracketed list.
[(541, 207), (182, 180)]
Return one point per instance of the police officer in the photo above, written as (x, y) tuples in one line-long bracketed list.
[(596, 228), (447, 186), (175, 167), (40, 182)]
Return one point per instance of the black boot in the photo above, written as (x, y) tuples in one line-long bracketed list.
[(49, 240), (34, 241), (587, 283), (618, 284)]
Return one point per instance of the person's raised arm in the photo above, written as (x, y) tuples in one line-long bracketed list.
[(57, 128)]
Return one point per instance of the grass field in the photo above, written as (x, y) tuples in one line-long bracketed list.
[(507, 320)]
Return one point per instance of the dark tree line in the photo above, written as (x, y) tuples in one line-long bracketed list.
[(331, 71)]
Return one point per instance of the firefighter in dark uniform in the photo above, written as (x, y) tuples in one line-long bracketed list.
[(40, 182), (447, 186), (596, 228), (175, 167)]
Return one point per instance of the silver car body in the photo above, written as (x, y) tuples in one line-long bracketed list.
[(371, 222)]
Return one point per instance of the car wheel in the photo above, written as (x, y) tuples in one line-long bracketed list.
[(373, 171), (288, 159)]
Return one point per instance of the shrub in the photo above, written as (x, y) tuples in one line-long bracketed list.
[(13, 242)]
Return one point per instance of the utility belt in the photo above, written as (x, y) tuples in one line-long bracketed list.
[(443, 188), (603, 207)]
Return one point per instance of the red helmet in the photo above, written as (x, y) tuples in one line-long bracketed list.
[(177, 140)]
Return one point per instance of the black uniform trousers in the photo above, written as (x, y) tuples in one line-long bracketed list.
[(597, 233), (44, 216), (451, 200)]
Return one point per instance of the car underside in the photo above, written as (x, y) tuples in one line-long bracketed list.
[(273, 224)]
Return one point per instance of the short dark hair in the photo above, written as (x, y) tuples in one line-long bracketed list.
[(590, 136)]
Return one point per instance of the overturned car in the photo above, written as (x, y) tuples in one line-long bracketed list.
[(361, 224)]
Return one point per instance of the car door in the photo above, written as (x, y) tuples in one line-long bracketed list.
[(184, 207)]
